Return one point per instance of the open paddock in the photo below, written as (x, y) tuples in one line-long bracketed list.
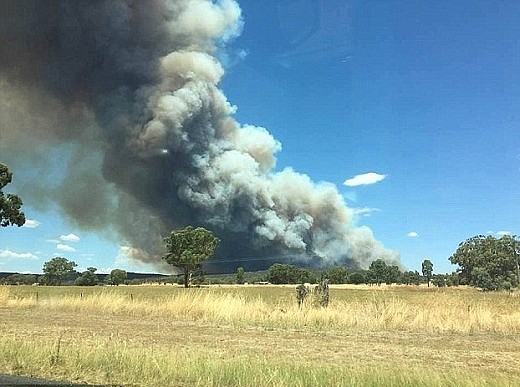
[(257, 335)]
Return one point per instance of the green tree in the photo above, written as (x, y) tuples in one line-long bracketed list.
[(305, 276), (116, 277), (88, 278), (452, 279), (410, 277), (337, 275), (377, 272), (240, 276), (392, 274), (482, 279), (357, 278), (427, 270), (188, 248), (498, 257), (280, 273), (55, 270), (198, 277), (10, 205), (20, 279), (439, 280)]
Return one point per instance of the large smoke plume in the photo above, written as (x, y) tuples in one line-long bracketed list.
[(127, 92)]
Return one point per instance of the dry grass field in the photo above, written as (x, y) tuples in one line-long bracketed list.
[(257, 336)]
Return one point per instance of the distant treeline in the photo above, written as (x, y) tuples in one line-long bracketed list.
[(7, 278), (485, 262), (379, 272)]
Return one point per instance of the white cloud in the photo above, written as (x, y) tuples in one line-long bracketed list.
[(364, 179), (364, 211), (12, 255), (412, 234), (31, 223), (69, 238), (63, 247)]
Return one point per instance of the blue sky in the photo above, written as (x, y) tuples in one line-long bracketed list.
[(424, 94)]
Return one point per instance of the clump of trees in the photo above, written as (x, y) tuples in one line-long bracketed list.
[(20, 279), (59, 271), (116, 277), (380, 272), (10, 205), (336, 275), (289, 274), (87, 278), (487, 262), (443, 280)]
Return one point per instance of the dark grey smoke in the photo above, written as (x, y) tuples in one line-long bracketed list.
[(128, 90)]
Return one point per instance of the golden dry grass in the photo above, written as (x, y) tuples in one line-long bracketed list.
[(394, 309), (258, 336)]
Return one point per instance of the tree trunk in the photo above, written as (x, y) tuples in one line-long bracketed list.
[(186, 277)]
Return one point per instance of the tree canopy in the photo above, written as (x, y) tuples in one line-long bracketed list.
[(488, 262), (20, 279), (289, 274), (188, 248), (380, 272), (10, 205), (57, 269), (88, 278), (116, 277), (240, 275), (337, 275)]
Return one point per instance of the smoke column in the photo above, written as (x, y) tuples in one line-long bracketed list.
[(127, 91)]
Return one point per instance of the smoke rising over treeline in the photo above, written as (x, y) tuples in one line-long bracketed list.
[(127, 93)]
